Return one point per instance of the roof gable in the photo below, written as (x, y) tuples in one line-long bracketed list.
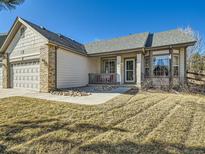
[(118, 44), (51, 37), (12, 32), (58, 39), (171, 37)]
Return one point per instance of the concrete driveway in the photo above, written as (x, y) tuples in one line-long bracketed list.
[(95, 98)]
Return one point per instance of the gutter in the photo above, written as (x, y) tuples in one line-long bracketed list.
[(143, 49), (116, 52), (172, 46), (65, 48)]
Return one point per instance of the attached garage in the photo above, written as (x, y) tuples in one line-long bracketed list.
[(1, 76), (25, 75)]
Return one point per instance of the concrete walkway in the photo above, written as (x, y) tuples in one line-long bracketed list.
[(95, 98)]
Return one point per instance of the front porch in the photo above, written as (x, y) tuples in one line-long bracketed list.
[(117, 70), (159, 67)]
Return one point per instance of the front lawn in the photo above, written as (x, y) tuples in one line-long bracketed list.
[(130, 123)]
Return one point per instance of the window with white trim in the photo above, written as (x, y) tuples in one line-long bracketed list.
[(109, 66), (175, 65), (161, 66)]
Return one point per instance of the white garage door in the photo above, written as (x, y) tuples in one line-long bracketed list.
[(1, 76), (25, 75)]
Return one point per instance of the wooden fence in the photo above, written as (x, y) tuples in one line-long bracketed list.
[(196, 78)]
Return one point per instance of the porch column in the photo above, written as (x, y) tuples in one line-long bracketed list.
[(182, 69), (170, 67), (119, 78), (139, 70)]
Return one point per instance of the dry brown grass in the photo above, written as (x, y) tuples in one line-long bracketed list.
[(130, 123)]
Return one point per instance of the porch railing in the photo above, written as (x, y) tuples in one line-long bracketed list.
[(102, 78)]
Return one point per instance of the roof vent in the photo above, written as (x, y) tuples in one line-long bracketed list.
[(59, 35), (43, 28)]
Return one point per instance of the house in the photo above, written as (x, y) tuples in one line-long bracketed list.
[(36, 58)]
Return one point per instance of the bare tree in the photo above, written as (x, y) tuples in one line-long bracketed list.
[(194, 54), (9, 4), (199, 47)]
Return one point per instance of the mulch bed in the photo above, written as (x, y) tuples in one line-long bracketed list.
[(83, 91)]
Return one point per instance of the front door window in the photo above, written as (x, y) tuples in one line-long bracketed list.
[(129, 70)]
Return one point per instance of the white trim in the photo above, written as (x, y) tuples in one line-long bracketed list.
[(133, 60), (23, 56), (8, 35)]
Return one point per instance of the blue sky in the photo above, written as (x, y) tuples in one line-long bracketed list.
[(90, 20)]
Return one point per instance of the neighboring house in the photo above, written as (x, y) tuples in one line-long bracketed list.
[(35, 58)]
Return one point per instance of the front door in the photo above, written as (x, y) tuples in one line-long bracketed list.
[(130, 70)]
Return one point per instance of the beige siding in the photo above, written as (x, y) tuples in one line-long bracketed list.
[(164, 81), (161, 52), (175, 51), (160, 81), (30, 44), (72, 69), (94, 64)]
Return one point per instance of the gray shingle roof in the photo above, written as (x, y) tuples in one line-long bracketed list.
[(2, 38), (134, 41), (171, 37), (58, 38), (123, 43)]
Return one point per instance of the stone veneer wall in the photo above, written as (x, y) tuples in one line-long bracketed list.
[(6, 71), (47, 68)]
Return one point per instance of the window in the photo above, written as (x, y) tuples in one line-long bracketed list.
[(176, 65), (147, 68), (22, 32), (161, 66), (109, 65)]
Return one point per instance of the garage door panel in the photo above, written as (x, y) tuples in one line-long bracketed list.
[(25, 75)]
